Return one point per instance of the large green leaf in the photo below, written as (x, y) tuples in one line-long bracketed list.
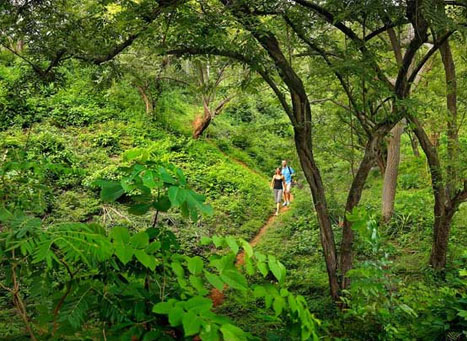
[(162, 204), (111, 190), (215, 280), (175, 316), (139, 240), (191, 323), (195, 265), (163, 307), (232, 333), (120, 235), (232, 243), (277, 268), (234, 279), (139, 209), (124, 253), (145, 259)]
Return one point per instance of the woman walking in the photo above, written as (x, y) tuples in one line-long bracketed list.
[(278, 184)]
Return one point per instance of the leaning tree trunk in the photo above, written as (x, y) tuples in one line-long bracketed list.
[(201, 123), (313, 177), (391, 171), (147, 102)]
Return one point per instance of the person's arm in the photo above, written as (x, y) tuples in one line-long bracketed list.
[(272, 182), (283, 183)]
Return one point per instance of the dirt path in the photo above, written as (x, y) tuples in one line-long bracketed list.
[(216, 295)]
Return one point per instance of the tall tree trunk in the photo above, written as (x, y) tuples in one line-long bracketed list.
[(451, 102), (443, 210), (414, 144), (392, 169), (353, 198), (147, 102), (442, 228), (444, 207), (304, 149)]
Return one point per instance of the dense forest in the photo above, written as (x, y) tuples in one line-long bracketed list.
[(148, 150)]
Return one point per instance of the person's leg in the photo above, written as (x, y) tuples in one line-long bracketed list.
[(287, 192), (277, 208)]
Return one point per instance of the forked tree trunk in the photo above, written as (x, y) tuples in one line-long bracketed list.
[(392, 169)]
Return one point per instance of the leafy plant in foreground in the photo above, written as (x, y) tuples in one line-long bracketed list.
[(78, 280)]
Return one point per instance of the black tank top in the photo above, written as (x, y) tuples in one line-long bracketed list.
[(278, 183)]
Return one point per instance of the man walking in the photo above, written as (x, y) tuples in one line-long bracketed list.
[(287, 172)]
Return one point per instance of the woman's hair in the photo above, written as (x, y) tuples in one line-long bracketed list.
[(278, 171)]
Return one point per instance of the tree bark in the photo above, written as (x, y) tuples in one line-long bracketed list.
[(414, 144), (147, 102), (443, 210), (391, 172), (353, 198), (302, 139), (451, 102), (202, 123)]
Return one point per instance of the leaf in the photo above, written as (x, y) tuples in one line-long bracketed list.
[(120, 234), (263, 268), (166, 177), (215, 280), (181, 177), (198, 304), (198, 284), (111, 190), (232, 243), (175, 195), (259, 291), (148, 179), (153, 247), (234, 279), (278, 305), (178, 269), (163, 204), (209, 332), (145, 259), (217, 241), (139, 209), (124, 253), (277, 268), (232, 333), (191, 324), (163, 307), (247, 247), (175, 316), (195, 265), (140, 240), (205, 240)]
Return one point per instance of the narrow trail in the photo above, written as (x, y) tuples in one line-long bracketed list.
[(216, 295)]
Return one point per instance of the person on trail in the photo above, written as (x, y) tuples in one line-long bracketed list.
[(278, 184), (287, 172)]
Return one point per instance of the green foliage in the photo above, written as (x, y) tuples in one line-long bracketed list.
[(110, 273)]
